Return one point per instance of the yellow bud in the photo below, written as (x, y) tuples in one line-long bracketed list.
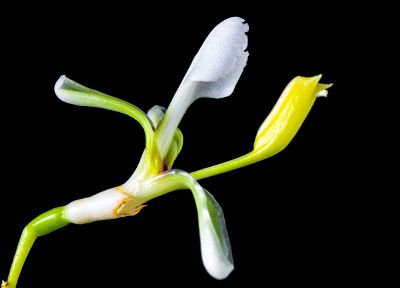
[(288, 114), (279, 127)]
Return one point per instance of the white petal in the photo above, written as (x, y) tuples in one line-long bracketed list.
[(215, 245), (214, 72), (215, 263), (224, 86), (221, 54)]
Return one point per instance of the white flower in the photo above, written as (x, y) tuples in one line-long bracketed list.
[(213, 73)]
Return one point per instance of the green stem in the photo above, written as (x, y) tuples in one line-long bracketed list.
[(74, 93), (100, 100), (127, 108), (41, 225), (152, 157), (247, 159)]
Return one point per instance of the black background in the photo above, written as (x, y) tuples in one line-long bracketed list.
[(289, 217)]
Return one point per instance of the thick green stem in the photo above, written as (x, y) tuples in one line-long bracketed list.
[(41, 225)]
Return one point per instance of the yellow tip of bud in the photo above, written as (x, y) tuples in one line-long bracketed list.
[(288, 114)]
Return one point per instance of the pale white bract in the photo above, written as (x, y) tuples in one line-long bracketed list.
[(213, 73)]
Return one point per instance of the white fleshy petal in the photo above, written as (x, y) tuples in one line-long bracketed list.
[(225, 86), (214, 72), (221, 54), (214, 262), (215, 246), (216, 249)]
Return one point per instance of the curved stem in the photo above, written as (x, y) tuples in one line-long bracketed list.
[(74, 93), (151, 151), (134, 112), (104, 101), (41, 225), (215, 246), (121, 106), (247, 159)]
